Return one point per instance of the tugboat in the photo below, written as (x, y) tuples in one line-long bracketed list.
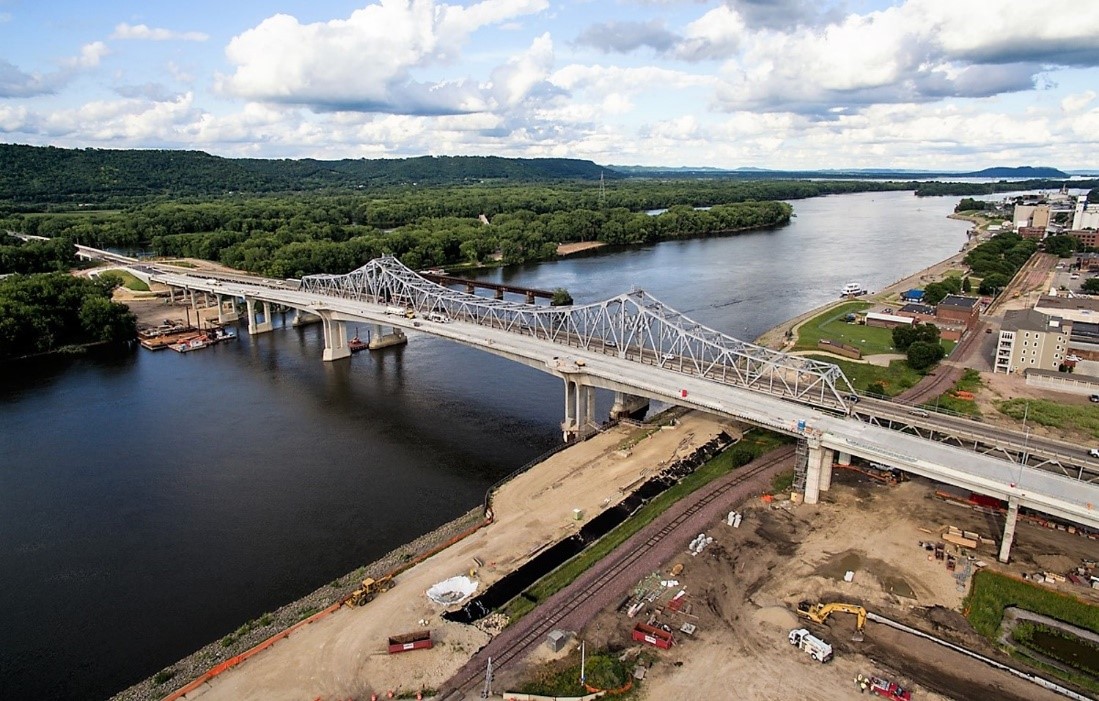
[(356, 344), (852, 289)]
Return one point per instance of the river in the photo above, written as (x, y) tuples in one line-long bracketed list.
[(153, 502)]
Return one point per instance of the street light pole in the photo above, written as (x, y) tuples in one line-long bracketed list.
[(583, 676)]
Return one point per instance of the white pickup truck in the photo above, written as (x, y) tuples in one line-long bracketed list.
[(817, 648)]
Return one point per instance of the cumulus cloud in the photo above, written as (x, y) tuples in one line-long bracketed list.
[(623, 37), (16, 83), (525, 75), (365, 62), (141, 31), (90, 55), (920, 51), (783, 14), (717, 34)]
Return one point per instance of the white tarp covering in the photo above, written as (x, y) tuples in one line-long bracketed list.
[(452, 591)]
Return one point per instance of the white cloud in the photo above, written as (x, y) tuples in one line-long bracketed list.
[(90, 55), (1078, 101), (141, 31), (513, 83), (365, 62)]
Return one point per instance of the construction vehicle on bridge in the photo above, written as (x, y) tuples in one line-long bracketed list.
[(819, 613), (369, 589)]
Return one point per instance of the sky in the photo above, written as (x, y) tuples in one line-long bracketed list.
[(785, 84)]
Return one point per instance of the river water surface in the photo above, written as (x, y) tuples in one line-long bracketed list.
[(153, 502)]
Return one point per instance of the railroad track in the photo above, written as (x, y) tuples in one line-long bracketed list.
[(473, 672)]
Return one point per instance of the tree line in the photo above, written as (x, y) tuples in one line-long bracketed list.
[(50, 311)]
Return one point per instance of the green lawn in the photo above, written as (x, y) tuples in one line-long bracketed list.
[(830, 325), (128, 280), (1079, 418), (895, 379)]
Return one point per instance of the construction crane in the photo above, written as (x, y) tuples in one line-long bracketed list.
[(819, 613)]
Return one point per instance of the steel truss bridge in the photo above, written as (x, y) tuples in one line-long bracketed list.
[(635, 345), (633, 326)]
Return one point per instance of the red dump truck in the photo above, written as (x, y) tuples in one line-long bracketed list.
[(644, 633), (417, 640)]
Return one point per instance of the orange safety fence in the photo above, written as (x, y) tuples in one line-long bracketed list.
[(228, 664)]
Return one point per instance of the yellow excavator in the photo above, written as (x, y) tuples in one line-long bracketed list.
[(369, 589), (819, 613)]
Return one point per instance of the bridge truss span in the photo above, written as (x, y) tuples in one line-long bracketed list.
[(634, 326)]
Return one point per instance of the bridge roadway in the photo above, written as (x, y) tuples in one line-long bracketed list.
[(1041, 490)]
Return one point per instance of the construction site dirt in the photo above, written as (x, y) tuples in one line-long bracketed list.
[(741, 590)]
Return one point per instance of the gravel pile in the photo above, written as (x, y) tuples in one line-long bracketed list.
[(254, 632)]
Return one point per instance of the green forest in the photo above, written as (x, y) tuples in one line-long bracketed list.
[(53, 311)]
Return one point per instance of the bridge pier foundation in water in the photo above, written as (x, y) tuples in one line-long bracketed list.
[(255, 326), (379, 340), (335, 338), (226, 315), (304, 318)]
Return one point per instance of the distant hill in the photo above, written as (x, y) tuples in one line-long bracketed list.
[(48, 174), (1019, 172)]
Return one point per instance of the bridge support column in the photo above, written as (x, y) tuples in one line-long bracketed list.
[(579, 408), (813, 470), (628, 405), (843, 458), (304, 318), (827, 455), (335, 339), (379, 339), (224, 317), (1009, 528), (254, 325)]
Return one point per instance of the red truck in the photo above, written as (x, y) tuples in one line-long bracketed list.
[(887, 689)]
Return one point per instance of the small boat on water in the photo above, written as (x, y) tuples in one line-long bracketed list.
[(189, 344), (356, 344), (853, 289)]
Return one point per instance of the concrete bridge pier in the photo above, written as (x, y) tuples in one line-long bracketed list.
[(254, 325), (225, 316), (813, 470), (335, 339), (1009, 528), (628, 405), (379, 339), (843, 458), (827, 456), (304, 318), (579, 408)]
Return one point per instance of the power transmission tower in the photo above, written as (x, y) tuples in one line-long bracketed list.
[(602, 192)]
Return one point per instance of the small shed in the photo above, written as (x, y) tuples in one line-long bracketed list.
[(556, 640), (888, 320), (912, 295)]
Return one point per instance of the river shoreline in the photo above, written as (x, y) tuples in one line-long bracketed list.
[(776, 337), (255, 632)]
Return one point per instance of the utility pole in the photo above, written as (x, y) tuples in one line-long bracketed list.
[(488, 681)]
